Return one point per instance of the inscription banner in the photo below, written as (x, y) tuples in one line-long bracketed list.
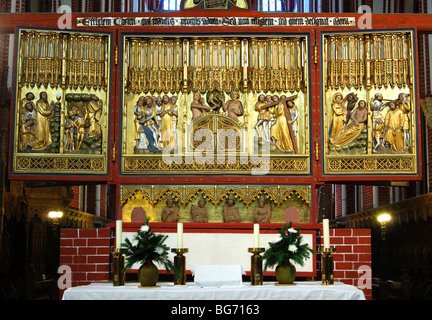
[(214, 21)]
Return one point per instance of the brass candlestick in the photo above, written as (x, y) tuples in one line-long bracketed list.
[(256, 266), (180, 264), (118, 268), (327, 266)]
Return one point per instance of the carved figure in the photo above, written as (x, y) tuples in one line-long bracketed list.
[(199, 213), (351, 99), (79, 125), (262, 213), (404, 104), (166, 114), (377, 120), (280, 132), (351, 131), (292, 109), (44, 111), (338, 114), (170, 213), (174, 111), (94, 111), (393, 127), (27, 121), (230, 211), (140, 138), (198, 106), (149, 125), (233, 107), (263, 119), (69, 130)]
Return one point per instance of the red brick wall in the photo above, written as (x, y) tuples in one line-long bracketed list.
[(87, 253), (353, 251), (74, 204), (367, 197)]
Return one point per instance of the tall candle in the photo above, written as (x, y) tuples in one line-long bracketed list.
[(179, 235), (118, 234), (326, 233), (256, 235)]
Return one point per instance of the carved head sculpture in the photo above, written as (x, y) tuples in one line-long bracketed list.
[(230, 200), (29, 96), (201, 202), (43, 95), (337, 98), (234, 95), (362, 104), (169, 201), (261, 97), (261, 202)]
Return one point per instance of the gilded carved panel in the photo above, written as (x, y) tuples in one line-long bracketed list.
[(369, 103), (211, 105), (61, 105), (216, 203)]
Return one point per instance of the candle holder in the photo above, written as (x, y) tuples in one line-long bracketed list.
[(118, 268), (256, 266), (327, 266), (180, 264)]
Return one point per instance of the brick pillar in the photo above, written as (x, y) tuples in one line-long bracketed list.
[(353, 258), (87, 253)]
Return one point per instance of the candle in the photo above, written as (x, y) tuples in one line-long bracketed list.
[(256, 235), (179, 235), (118, 234), (326, 233)]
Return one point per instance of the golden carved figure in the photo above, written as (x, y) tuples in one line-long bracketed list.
[(351, 131), (94, 111), (170, 213), (338, 114), (167, 115), (230, 211), (393, 127), (69, 130), (280, 131), (404, 104), (44, 111), (79, 124), (199, 213), (262, 213)]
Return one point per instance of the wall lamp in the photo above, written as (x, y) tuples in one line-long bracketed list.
[(383, 219)]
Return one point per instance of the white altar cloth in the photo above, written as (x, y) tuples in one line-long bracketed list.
[(308, 290)]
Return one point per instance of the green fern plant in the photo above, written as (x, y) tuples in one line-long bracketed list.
[(288, 248), (148, 246)]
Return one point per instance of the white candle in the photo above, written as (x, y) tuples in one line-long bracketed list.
[(179, 235), (326, 233), (256, 235), (118, 234)]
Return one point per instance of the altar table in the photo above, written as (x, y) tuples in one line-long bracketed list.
[(308, 290)]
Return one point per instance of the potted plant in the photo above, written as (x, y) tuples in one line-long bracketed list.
[(146, 248), (284, 252)]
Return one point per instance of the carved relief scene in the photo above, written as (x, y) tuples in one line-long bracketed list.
[(369, 113), (62, 101), (214, 104), (216, 203)]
